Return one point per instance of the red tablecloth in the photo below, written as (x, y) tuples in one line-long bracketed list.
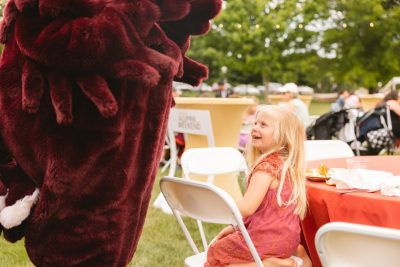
[(325, 204)]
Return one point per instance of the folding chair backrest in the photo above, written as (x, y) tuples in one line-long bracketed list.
[(192, 121), (348, 244), (327, 149), (212, 161), (205, 202), (187, 121)]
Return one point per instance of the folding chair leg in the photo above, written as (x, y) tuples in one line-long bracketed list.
[(164, 168), (203, 236)]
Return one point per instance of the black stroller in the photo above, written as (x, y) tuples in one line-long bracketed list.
[(328, 125), (374, 132)]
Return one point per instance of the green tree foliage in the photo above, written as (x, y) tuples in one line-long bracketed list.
[(258, 41), (313, 42), (366, 38)]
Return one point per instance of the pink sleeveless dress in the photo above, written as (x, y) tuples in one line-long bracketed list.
[(274, 230)]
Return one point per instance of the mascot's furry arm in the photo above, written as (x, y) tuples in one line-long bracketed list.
[(85, 91)]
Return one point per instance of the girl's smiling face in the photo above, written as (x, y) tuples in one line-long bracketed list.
[(262, 133)]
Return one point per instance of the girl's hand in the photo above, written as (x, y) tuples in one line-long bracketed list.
[(224, 232)]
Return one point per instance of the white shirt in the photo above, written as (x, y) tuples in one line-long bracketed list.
[(301, 111)]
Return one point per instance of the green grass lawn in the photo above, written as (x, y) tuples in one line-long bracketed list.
[(162, 240), (319, 108)]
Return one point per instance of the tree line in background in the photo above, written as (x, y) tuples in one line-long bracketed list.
[(324, 44)]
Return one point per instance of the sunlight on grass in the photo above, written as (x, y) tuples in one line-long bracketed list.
[(13, 254)]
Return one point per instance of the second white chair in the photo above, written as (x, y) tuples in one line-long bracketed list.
[(212, 161), (327, 149)]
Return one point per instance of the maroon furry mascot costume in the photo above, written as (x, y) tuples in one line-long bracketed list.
[(85, 92)]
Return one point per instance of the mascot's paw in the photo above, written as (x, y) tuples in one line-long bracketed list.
[(14, 215), (33, 86), (95, 87)]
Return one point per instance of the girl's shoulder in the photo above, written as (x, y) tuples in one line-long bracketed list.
[(270, 163)]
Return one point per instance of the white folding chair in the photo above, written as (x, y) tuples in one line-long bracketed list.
[(327, 149), (210, 162), (187, 121), (208, 203), (349, 244)]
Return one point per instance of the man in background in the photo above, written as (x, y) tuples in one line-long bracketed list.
[(290, 96)]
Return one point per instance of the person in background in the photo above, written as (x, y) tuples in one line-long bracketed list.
[(247, 121), (353, 101), (340, 101), (221, 90), (275, 197), (293, 103), (391, 99)]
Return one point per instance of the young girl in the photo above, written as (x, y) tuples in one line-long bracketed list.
[(275, 198)]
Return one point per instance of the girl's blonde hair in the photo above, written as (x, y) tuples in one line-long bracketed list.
[(289, 136)]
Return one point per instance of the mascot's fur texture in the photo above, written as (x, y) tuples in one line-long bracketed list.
[(85, 92)]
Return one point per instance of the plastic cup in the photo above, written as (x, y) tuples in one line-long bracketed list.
[(357, 163)]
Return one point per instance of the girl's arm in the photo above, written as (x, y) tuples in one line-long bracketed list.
[(255, 193), (224, 232)]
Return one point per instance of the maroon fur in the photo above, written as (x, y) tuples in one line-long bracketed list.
[(85, 93)]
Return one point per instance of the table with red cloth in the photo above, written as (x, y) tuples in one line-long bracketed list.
[(326, 205)]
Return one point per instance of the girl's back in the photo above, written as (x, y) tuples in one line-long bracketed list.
[(275, 230)]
